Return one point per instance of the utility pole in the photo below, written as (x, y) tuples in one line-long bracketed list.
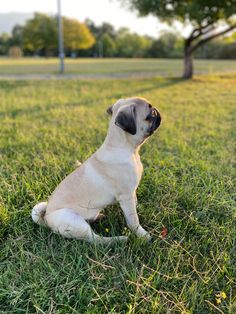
[(60, 36)]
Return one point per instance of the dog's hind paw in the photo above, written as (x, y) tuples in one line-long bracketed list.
[(78, 164)]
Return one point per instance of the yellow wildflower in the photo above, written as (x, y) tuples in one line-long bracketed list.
[(223, 295), (218, 300)]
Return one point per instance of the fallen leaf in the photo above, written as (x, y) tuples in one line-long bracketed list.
[(164, 233)]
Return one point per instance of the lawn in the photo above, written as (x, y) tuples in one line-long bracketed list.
[(188, 187), (161, 67)]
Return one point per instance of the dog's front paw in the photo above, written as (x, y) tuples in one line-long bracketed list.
[(142, 233), (147, 237)]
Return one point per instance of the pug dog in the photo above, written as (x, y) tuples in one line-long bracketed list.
[(111, 174)]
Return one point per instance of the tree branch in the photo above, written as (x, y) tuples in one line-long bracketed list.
[(200, 31), (203, 41)]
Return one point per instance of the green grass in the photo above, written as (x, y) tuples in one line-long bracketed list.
[(162, 67), (188, 187)]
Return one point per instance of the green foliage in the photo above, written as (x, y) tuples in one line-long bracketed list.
[(40, 34), (168, 45), (188, 187), (105, 35), (4, 43), (132, 45), (17, 36), (195, 11), (122, 43), (76, 35), (104, 28), (108, 45), (221, 48)]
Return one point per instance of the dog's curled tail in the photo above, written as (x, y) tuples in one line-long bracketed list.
[(38, 213)]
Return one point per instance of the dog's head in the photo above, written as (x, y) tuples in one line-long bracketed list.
[(136, 117)]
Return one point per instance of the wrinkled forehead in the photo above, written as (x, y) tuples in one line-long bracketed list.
[(137, 101)]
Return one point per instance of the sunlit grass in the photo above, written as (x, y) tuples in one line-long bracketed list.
[(188, 187), (162, 67)]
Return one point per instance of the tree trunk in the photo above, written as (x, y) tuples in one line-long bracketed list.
[(189, 46), (188, 61)]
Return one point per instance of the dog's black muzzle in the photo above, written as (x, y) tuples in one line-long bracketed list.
[(155, 118)]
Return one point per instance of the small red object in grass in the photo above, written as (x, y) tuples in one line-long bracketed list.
[(164, 233)]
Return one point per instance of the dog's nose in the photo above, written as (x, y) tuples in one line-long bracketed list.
[(158, 118)]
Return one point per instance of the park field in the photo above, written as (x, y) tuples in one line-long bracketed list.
[(83, 66), (187, 190)]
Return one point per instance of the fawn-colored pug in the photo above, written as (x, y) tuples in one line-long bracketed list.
[(111, 174)]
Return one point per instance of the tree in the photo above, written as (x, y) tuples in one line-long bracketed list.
[(105, 35), (76, 35), (107, 28), (131, 44), (108, 45), (168, 45), (17, 36), (4, 43), (203, 15), (40, 34), (98, 31)]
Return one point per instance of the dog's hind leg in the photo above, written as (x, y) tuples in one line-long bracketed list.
[(70, 224)]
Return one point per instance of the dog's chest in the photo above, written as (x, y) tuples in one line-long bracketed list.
[(122, 168), (130, 174)]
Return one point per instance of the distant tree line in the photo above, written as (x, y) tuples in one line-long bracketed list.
[(124, 43), (39, 36)]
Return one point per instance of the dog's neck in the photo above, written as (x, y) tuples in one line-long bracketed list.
[(118, 139)]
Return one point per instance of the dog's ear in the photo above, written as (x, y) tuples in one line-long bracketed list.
[(126, 119), (109, 110)]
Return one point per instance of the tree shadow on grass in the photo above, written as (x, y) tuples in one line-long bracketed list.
[(158, 83)]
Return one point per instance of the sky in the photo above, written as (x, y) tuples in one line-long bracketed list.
[(97, 10)]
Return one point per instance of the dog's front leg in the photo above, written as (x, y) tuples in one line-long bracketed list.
[(128, 205)]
